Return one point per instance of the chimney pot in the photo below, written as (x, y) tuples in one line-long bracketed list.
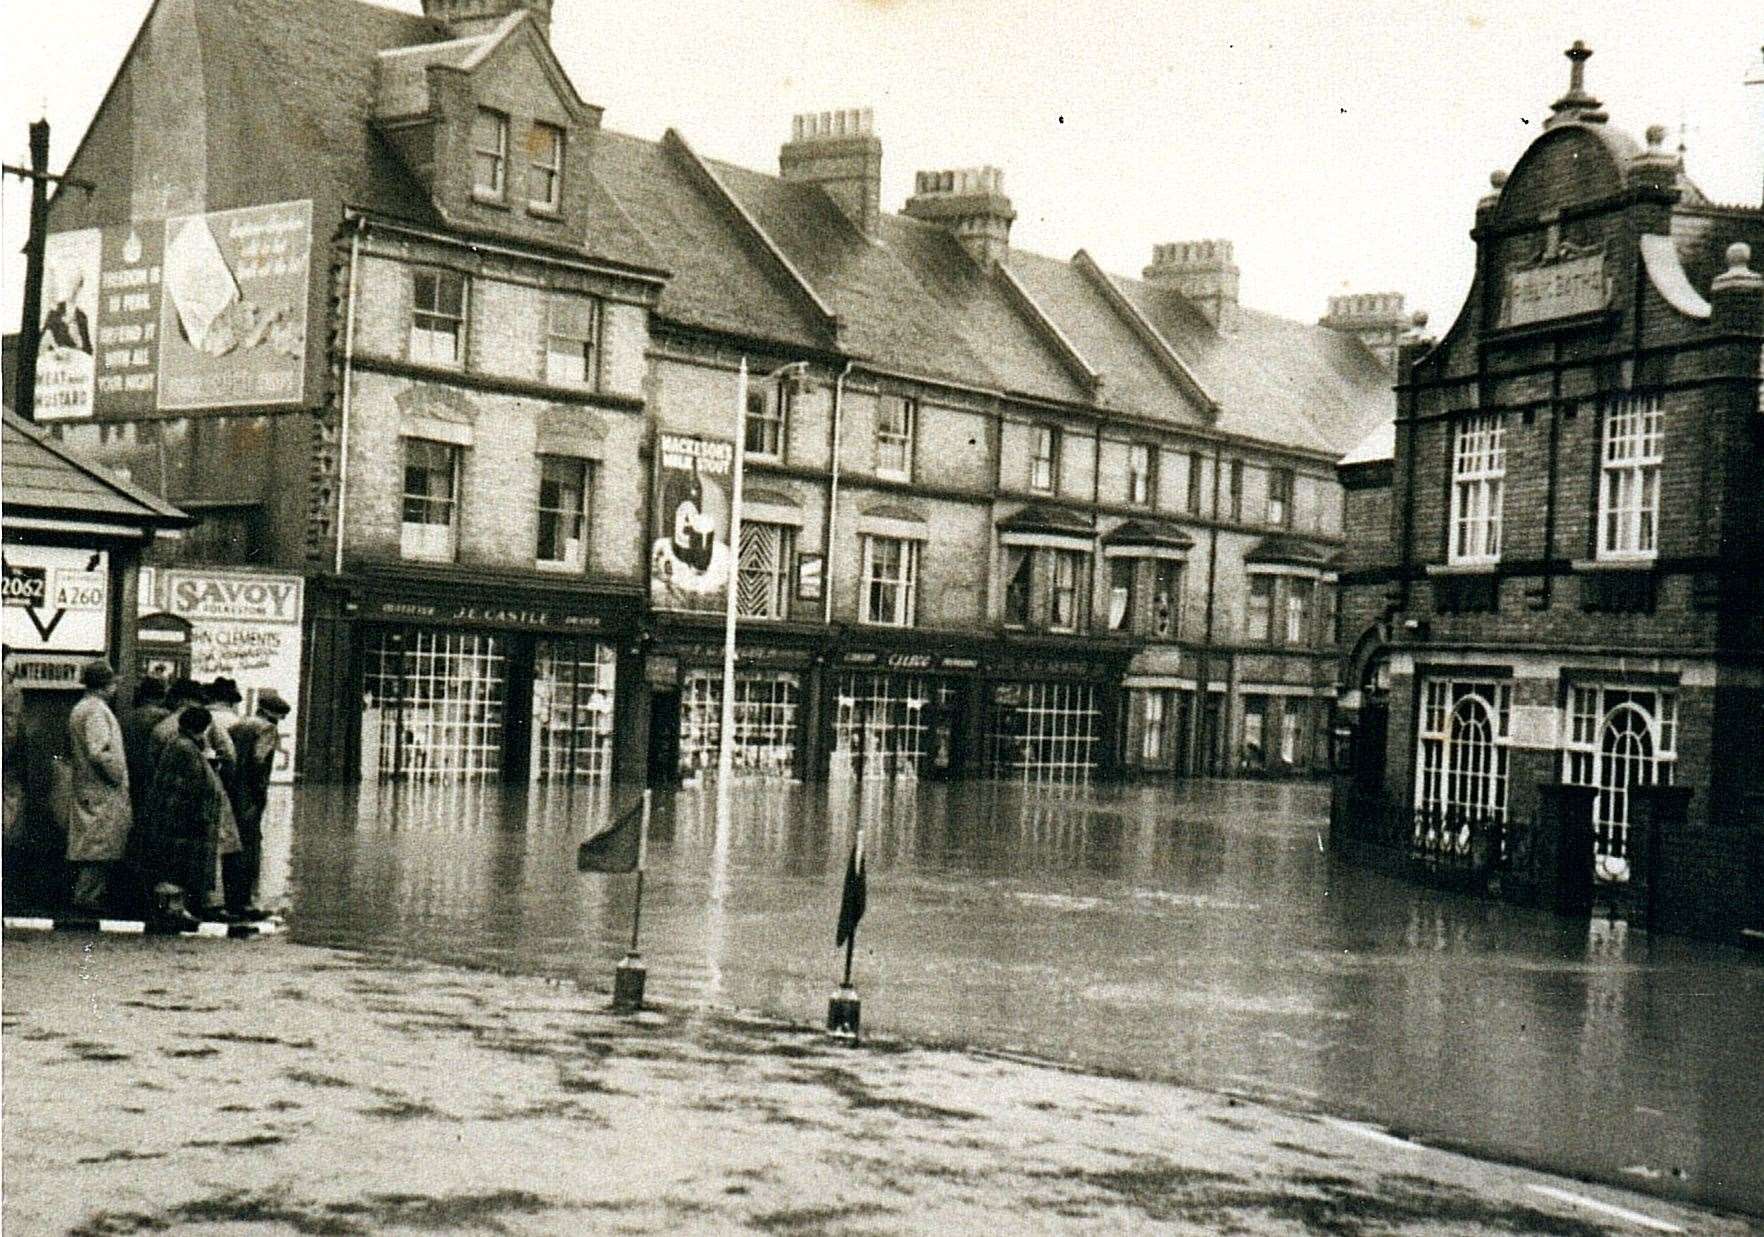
[(839, 152)]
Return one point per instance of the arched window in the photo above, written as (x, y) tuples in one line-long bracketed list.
[(1618, 738), (1461, 772)]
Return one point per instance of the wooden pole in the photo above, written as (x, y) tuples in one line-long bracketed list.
[(642, 856)]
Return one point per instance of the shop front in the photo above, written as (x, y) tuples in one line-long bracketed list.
[(775, 685), (903, 712), (1053, 715), (532, 686)]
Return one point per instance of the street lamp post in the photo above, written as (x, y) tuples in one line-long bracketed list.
[(726, 731)]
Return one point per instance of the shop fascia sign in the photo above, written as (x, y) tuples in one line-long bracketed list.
[(909, 661), (490, 616)]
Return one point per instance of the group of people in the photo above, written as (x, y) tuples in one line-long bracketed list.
[(168, 801)]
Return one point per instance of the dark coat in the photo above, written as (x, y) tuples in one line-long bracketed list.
[(137, 728), (183, 804), (255, 740)]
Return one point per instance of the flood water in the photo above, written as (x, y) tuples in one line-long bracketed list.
[(1197, 932)]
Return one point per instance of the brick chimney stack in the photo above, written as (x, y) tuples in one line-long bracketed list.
[(1378, 318), (466, 19), (971, 203), (1203, 272), (840, 152)]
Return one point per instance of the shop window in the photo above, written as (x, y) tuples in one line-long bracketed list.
[(1259, 609), (1141, 484), (433, 703), (431, 500), (1280, 497), (1019, 567), (1298, 611), (1629, 480), (1618, 737), (1461, 771), (1166, 598), (896, 418), (891, 567), (490, 154), (1044, 464), (766, 555), (883, 724), (1479, 470), (1045, 731), (1253, 757), (563, 513), (572, 340), (1121, 580), (437, 321), (768, 414), (767, 706), (573, 683), (545, 160)]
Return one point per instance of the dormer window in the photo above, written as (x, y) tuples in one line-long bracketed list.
[(545, 149), (490, 147)]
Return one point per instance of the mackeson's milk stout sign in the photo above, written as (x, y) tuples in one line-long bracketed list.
[(690, 562)]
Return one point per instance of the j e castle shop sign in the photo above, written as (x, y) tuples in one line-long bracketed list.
[(530, 618)]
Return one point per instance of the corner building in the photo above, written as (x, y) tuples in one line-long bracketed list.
[(1005, 515), (1554, 552)]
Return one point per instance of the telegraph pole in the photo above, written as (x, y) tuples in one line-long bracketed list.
[(31, 328)]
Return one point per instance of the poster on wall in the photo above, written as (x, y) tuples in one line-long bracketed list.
[(65, 362), (689, 560), (232, 323), (57, 599), (128, 319), (246, 626)]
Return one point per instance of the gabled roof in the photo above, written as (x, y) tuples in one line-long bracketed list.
[(40, 478)]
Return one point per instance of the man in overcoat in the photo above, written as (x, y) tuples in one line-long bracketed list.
[(256, 739), (183, 801), (99, 822)]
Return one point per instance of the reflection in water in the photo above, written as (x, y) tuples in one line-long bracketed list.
[(1198, 932)]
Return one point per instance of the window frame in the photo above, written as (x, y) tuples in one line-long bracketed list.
[(1071, 589), (890, 439), (1300, 611), (454, 456), (1048, 436), (1236, 491), (1256, 584), (590, 343), (1160, 567), (779, 578), (760, 397), (1478, 490), (1127, 621), (1280, 497), (1142, 483), (584, 482), (498, 190), (1196, 493), (905, 582), (425, 320), (551, 173), (1631, 470)]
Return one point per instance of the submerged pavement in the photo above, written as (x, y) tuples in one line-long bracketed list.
[(267, 1086)]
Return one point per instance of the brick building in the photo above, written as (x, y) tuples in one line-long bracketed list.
[(1553, 556), (1004, 514)]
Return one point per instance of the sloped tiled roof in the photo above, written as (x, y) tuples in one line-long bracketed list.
[(1148, 533), (1284, 549), (39, 477), (1044, 518)]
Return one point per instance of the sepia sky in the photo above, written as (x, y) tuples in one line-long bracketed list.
[(1341, 145)]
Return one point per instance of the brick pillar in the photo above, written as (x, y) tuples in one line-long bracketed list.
[(1657, 834), (1562, 848)]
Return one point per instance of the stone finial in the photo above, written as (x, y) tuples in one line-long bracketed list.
[(1497, 179), (1577, 104), (1739, 275), (1656, 136), (1418, 319)]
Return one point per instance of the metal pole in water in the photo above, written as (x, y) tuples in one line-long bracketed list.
[(630, 976)]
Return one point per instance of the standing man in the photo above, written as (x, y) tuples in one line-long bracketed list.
[(255, 739), (98, 825)]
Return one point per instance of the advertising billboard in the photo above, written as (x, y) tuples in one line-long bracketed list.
[(246, 626), (195, 311), (57, 599), (690, 559)]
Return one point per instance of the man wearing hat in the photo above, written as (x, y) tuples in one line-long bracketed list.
[(255, 739), (98, 825)]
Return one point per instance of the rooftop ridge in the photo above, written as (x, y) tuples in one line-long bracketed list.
[(1088, 374), (1148, 334)]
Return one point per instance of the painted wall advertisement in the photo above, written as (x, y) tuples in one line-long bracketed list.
[(195, 311), (690, 559), (246, 626), (57, 600)]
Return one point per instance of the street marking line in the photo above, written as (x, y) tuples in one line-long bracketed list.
[(210, 929), (128, 927), (1593, 1204), (30, 923), (1376, 1135)]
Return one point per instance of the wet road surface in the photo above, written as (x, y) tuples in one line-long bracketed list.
[(1199, 933)]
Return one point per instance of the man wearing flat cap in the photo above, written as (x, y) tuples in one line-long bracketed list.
[(98, 825), (255, 739)]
